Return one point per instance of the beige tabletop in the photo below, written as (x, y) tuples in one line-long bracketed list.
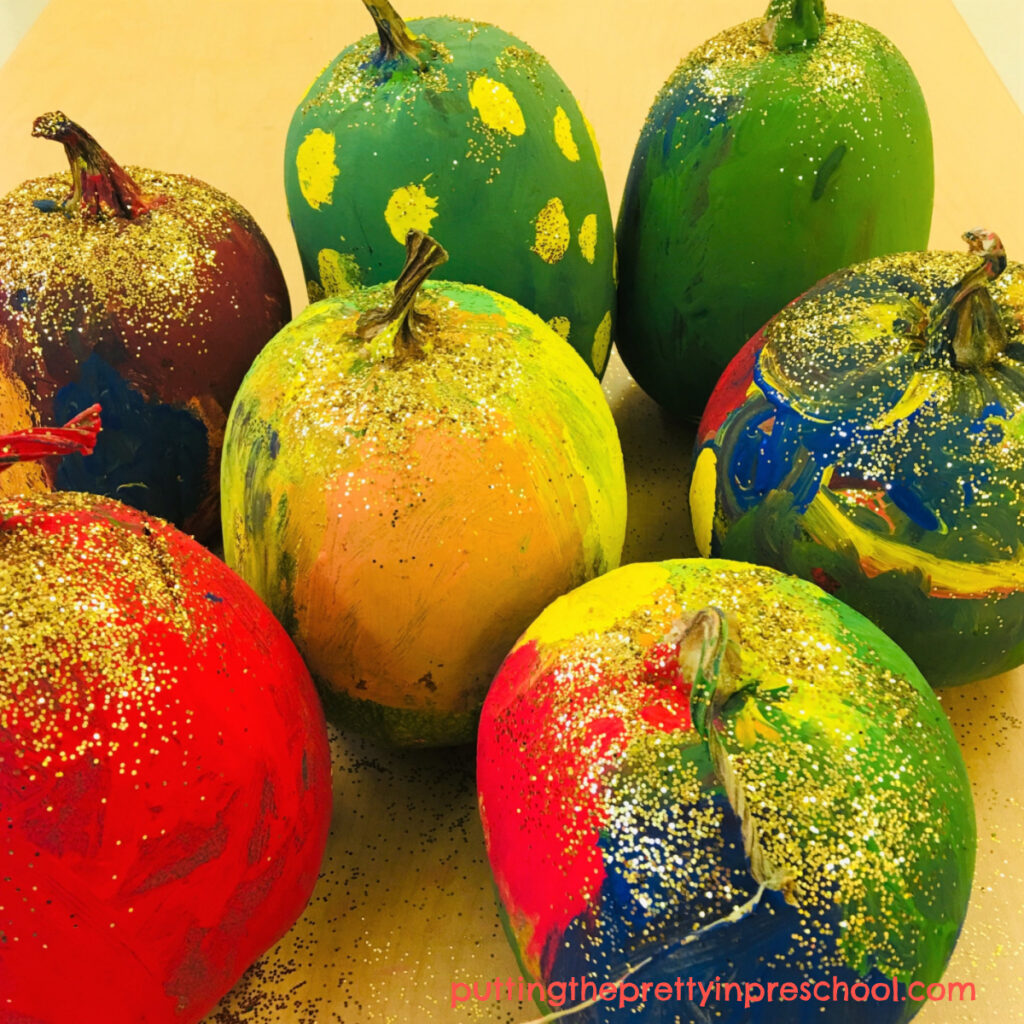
[(404, 907)]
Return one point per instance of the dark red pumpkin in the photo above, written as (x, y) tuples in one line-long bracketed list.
[(150, 293)]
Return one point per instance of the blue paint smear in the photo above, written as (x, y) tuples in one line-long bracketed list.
[(754, 949), (790, 455), (702, 113), (762, 461), (148, 455)]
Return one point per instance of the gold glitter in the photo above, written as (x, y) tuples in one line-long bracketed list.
[(71, 644), (355, 80), (832, 69), (148, 272), (524, 61), (405, 395), (551, 232)]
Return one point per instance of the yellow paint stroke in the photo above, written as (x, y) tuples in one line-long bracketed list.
[(602, 342), (751, 725), (563, 136), (409, 208), (702, 499), (551, 237), (561, 326), (599, 605), (339, 272), (822, 705), (587, 237), (497, 106), (593, 139), (924, 385), (827, 524), (317, 169)]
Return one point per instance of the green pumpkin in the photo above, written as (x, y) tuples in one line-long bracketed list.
[(779, 151), (462, 130)]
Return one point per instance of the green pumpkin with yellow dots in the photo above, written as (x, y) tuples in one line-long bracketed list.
[(458, 129)]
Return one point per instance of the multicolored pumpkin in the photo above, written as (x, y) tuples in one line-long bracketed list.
[(871, 438), (458, 129), (708, 771), (779, 151), (164, 771), (150, 293), (409, 476)]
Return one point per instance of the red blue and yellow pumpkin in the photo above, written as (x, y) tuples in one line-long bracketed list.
[(709, 772), (871, 438)]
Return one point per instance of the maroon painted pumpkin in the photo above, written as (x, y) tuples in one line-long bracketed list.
[(148, 292)]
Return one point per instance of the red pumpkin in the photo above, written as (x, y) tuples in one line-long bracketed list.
[(164, 772)]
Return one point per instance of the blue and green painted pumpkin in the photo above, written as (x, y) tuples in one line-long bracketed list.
[(781, 150), (461, 130), (871, 438)]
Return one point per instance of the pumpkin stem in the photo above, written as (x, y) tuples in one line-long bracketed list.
[(968, 321), (789, 24), (423, 255), (396, 41), (711, 664), (99, 185), (77, 435)]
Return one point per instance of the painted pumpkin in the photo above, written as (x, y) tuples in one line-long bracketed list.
[(409, 476), (164, 770), (708, 771), (458, 129), (781, 150), (895, 479), (150, 293)]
